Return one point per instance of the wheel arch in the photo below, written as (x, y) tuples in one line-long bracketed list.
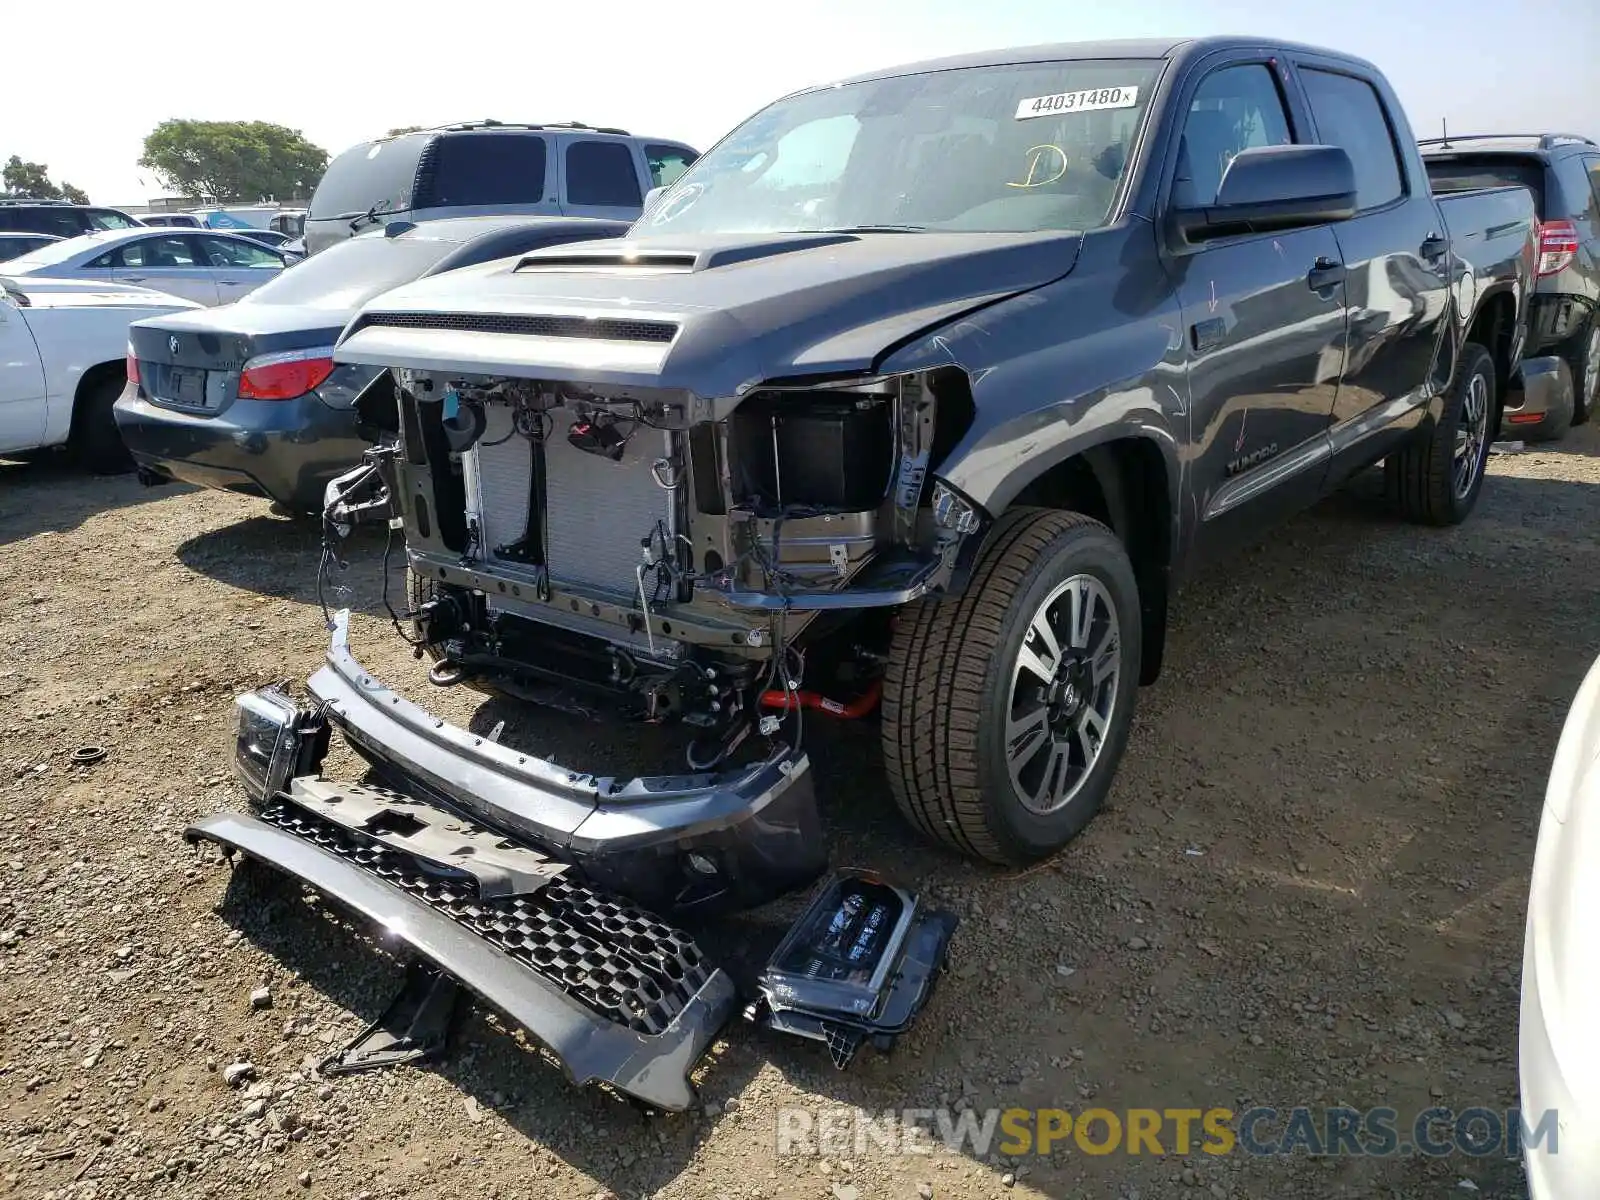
[(1128, 483)]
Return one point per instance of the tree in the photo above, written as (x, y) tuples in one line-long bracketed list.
[(31, 181), (233, 160), (396, 132)]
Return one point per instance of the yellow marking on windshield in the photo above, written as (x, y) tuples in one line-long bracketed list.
[(1042, 159)]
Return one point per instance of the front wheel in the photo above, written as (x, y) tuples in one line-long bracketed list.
[(1436, 479), (1007, 709)]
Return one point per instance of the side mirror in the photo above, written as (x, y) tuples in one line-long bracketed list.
[(1267, 188), (650, 198)]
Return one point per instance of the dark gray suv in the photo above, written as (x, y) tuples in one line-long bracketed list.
[(1562, 170)]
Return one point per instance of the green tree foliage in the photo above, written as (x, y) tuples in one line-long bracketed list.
[(31, 181), (398, 130), (233, 160)]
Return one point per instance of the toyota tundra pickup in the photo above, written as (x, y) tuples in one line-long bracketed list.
[(924, 388)]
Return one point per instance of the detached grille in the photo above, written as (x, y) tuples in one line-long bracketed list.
[(607, 329), (618, 960)]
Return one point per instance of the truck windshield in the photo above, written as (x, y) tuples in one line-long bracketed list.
[(1014, 148)]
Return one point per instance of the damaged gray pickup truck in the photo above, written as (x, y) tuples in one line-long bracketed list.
[(927, 388)]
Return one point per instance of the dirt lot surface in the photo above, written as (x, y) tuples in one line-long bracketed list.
[(1308, 888)]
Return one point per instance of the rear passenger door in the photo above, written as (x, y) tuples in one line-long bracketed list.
[(600, 179), (1263, 317), (168, 263), (1395, 260)]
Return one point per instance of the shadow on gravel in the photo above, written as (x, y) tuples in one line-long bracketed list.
[(277, 556), (46, 493)]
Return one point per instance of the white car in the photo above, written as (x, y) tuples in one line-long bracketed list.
[(63, 355), (207, 266), (1559, 1048)]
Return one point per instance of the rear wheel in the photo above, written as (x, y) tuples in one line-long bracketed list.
[(1583, 357), (1006, 710), (1436, 479), (95, 439)]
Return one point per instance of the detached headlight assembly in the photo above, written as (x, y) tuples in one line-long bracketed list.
[(268, 742)]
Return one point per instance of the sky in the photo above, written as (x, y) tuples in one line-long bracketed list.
[(81, 95)]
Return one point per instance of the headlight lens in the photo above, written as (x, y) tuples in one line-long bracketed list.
[(268, 741)]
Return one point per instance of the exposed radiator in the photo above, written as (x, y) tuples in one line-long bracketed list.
[(599, 510)]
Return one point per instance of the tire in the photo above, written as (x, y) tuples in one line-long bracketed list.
[(1436, 479), (95, 441), (1583, 359), (956, 678)]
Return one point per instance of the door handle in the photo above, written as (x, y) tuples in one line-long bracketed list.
[(230, 283), (1325, 273), (131, 278), (1434, 246)]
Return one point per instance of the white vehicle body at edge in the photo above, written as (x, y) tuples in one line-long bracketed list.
[(1559, 1051), (53, 332)]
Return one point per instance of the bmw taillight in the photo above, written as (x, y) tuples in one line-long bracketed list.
[(284, 376), (1558, 245), (133, 365)]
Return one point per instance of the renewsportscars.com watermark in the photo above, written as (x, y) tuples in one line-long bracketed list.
[(1017, 1132)]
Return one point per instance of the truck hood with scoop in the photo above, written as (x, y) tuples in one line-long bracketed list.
[(716, 317)]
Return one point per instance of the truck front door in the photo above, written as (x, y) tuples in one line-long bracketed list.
[(1263, 317), (21, 381), (1395, 261)]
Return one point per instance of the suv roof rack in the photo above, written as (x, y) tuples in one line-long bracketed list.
[(29, 200), (491, 123), (1546, 141)]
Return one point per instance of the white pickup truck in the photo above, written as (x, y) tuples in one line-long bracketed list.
[(63, 347)]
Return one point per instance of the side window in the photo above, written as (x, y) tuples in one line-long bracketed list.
[(1350, 115), (1592, 166), (225, 252), (602, 174), (1233, 109), (157, 252), (667, 163), (1577, 185), (107, 218), (111, 260)]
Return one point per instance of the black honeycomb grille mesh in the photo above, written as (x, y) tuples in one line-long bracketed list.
[(608, 329), (617, 960)]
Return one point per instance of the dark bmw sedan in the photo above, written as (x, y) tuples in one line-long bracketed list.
[(247, 398)]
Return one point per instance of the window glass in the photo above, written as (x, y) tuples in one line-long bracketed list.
[(602, 174), (109, 218), (1018, 147), (156, 252), (372, 174), (1233, 109), (1350, 115), (472, 169), (1575, 188), (667, 163), (1449, 173), (63, 222), (1593, 166), (236, 252)]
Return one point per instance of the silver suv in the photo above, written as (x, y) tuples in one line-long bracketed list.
[(489, 168)]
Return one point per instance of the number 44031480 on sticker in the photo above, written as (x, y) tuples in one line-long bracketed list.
[(1087, 100)]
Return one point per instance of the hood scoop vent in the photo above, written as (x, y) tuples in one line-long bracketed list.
[(607, 262), (606, 329), (675, 261)]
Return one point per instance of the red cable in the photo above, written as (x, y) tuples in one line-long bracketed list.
[(851, 711)]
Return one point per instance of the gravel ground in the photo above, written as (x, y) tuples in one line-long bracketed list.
[(1308, 887)]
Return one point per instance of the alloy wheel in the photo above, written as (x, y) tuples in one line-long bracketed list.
[(1471, 433), (1063, 692)]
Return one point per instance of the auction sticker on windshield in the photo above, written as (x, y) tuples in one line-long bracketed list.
[(1087, 100)]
